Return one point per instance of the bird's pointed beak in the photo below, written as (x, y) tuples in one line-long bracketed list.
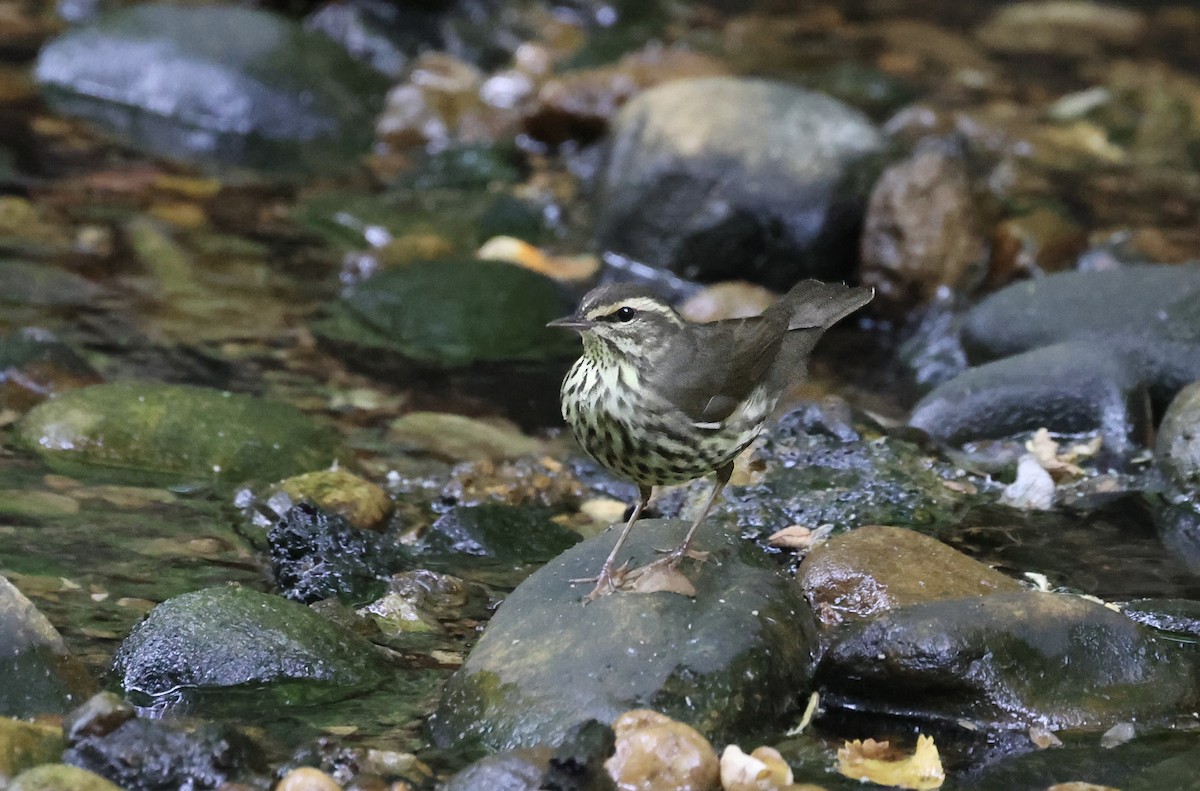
[(577, 323)]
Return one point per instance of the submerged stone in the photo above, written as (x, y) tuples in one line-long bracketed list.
[(231, 84), (1010, 661), (175, 433), (232, 638), (735, 658), (60, 777), (31, 283), (453, 313), (733, 178), (40, 676), (1178, 448), (148, 755), (35, 365), (498, 532)]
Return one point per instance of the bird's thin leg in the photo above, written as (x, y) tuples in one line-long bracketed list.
[(672, 558), (604, 580)]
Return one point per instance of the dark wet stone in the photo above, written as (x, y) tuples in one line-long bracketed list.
[(24, 745), (452, 313), (1010, 661), (35, 365), (233, 84), (1178, 616), (1070, 388), (578, 763), (172, 433), (40, 676), (1178, 526), (316, 555), (1148, 314), (732, 178), (382, 34), (924, 228), (101, 714), (817, 475), (876, 568), (498, 532), (154, 755), (59, 777), (233, 638), (718, 662), (31, 283), (511, 770), (932, 352), (1178, 448)]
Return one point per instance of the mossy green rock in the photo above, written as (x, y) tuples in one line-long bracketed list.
[(24, 745), (234, 638), (738, 657), (452, 313), (60, 777), (1011, 660), (176, 433)]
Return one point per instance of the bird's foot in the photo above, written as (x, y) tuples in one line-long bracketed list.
[(608, 581), (679, 553), (662, 575)]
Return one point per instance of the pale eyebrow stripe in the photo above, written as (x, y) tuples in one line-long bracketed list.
[(637, 303)]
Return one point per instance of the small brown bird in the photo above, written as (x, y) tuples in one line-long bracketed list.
[(660, 400)]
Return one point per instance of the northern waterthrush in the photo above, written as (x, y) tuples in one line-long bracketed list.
[(658, 400)]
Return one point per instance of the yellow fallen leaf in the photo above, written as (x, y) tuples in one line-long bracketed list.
[(876, 762), (762, 770), (1060, 464), (660, 579), (792, 537), (522, 253)]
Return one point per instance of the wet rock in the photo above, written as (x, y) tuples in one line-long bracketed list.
[(1177, 616), (35, 365), (315, 555), (933, 353), (362, 503), (498, 532), (24, 745), (1178, 447), (729, 178), (579, 105), (234, 84), (1036, 243), (1062, 28), (41, 677), (101, 714), (29, 283), (171, 433), (460, 438), (378, 33), (875, 568), (818, 472), (1147, 315), (718, 662), (511, 770), (579, 763), (155, 755), (657, 753), (1010, 661), (923, 229), (453, 313), (306, 778), (59, 777), (1070, 388), (225, 639)]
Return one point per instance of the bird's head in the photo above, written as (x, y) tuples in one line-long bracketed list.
[(627, 319)]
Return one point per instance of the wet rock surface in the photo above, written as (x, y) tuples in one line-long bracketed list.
[(875, 568), (42, 676), (252, 87), (34, 365), (172, 433), (230, 638), (24, 745), (58, 777), (1075, 387), (1010, 661), (677, 183), (498, 532), (1149, 314), (546, 662), (1178, 447)]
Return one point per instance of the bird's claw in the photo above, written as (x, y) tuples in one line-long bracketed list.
[(608, 581)]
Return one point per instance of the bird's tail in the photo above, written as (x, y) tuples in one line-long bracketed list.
[(814, 307)]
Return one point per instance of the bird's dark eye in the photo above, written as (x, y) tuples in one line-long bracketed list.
[(624, 314)]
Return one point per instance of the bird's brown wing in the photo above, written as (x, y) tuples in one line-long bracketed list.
[(721, 362)]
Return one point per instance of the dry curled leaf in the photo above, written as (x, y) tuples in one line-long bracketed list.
[(660, 579), (1062, 464), (878, 763), (762, 770)]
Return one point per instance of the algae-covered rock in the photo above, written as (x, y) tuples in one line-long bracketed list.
[(738, 656), (234, 638), (452, 313), (1011, 660), (361, 502), (175, 433), (24, 745), (40, 675), (60, 777)]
